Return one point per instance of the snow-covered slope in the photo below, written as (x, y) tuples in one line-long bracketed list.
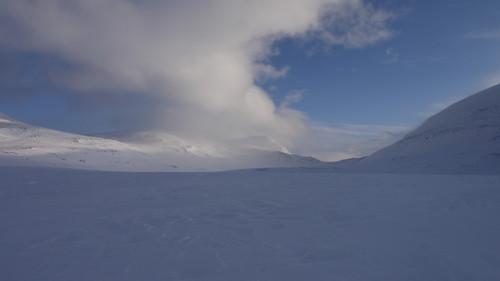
[(463, 138), (25, 145)]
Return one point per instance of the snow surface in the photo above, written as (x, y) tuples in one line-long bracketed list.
[(463, 138), (266, 224)]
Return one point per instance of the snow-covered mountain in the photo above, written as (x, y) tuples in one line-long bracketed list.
[(463, 138), (26, 145)]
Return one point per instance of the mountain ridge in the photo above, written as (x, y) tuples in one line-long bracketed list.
[(462, 138)]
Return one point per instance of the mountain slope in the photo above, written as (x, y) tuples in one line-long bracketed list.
[(26, 145), (463, 138)]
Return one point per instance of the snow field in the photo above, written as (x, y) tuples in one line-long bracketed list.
[(265, 224)]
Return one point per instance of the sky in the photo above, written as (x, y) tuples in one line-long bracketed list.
[(328, 78)]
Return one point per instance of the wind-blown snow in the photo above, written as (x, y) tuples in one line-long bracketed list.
[(288, 224)]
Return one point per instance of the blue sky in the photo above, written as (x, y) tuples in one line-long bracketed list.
[(439, 53), (88, 68)]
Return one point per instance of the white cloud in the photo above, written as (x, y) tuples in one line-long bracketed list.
[(201, 58), (491, 80), (392, 55), (485, 33), (354, 24), (349, 140), (264, 71), (294, 97), (436, 107)]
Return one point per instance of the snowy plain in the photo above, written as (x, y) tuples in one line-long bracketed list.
[(263, 224)]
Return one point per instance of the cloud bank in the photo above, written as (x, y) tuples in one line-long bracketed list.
[(199, 59), (349, 140)]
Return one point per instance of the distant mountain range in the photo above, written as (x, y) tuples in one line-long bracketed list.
[(463, 138), (26, 145)]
